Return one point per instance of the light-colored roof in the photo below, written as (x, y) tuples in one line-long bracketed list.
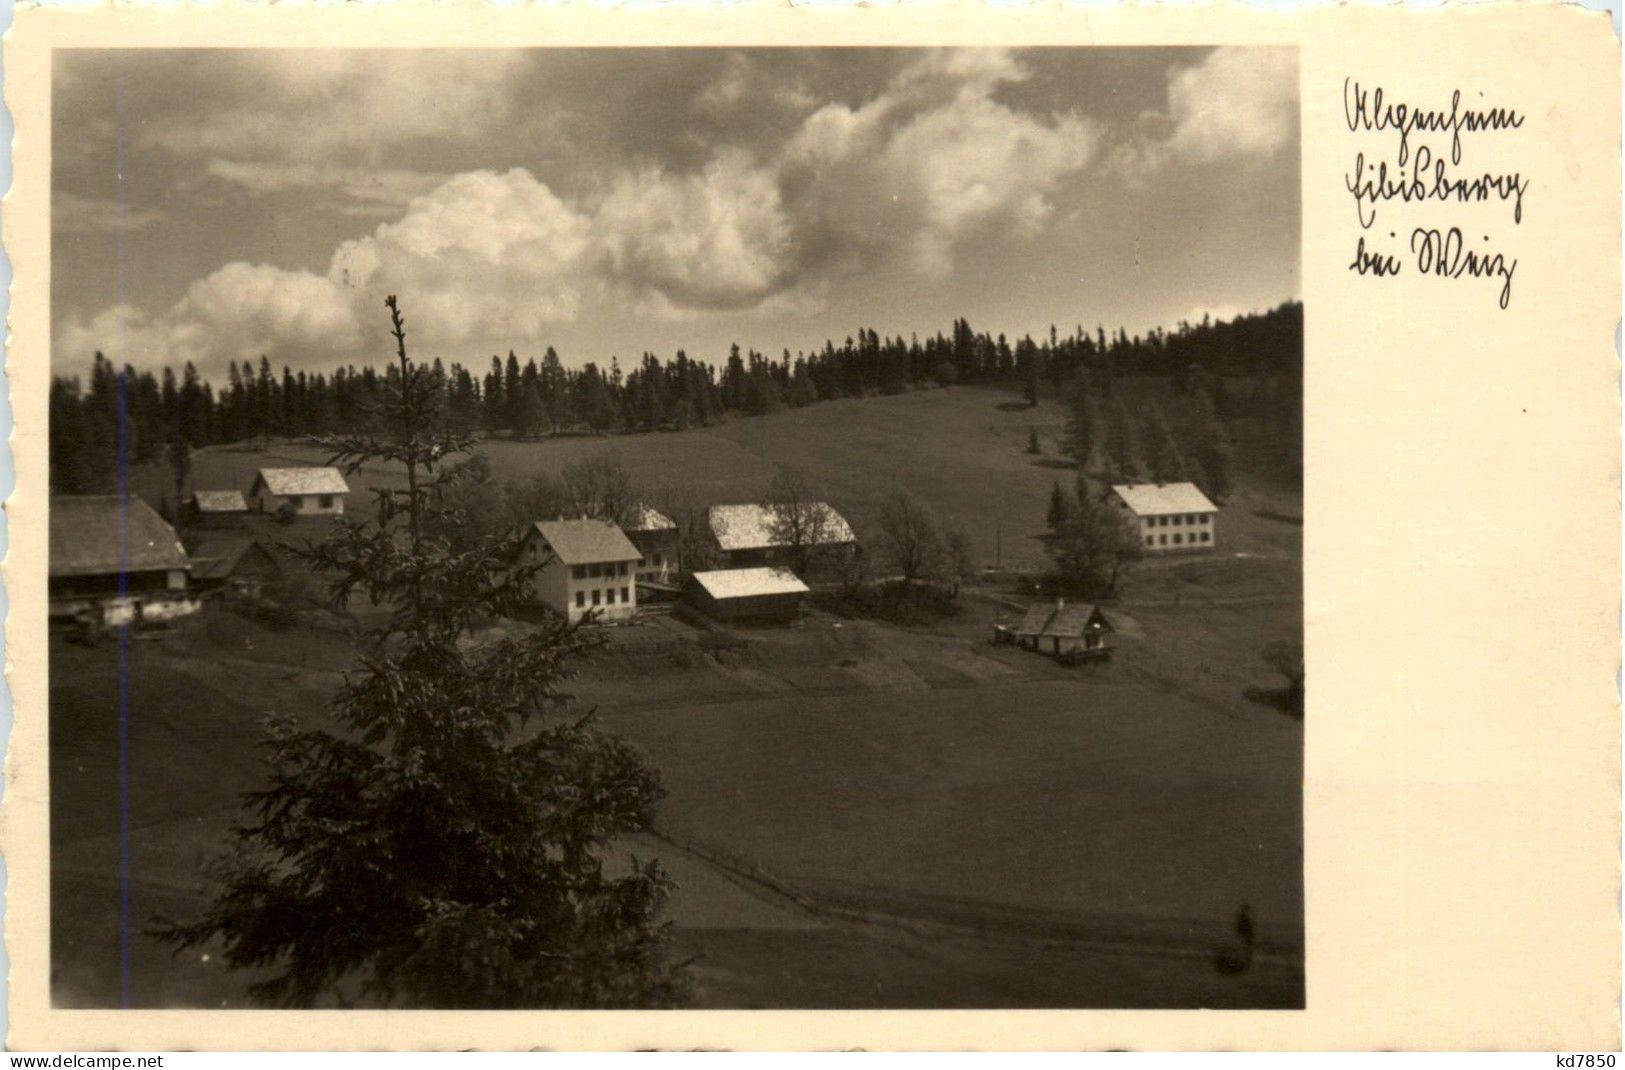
[(647, 519), (586, 542), (750, 527), (1162, 499), (748, 582), (285, 481), (105, 534), (1063, 621), (220, 501)]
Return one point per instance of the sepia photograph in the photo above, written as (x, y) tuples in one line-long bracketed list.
[(676, 527)]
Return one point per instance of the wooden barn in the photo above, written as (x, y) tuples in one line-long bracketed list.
[(208, 506), (115, 560), (221, 564), (746, 594), (754, 535)]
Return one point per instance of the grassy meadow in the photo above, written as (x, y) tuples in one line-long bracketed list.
[(858, 814)]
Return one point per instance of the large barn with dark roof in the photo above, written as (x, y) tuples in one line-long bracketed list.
[(116, 557)]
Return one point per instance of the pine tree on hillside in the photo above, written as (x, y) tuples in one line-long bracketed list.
[(1059, 508), (1079, 441), (265, 402), (447, 847), (1162, 459), (1119, 448), (1032, 369)]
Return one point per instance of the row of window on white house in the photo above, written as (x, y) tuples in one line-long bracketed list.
[(581, 572), (609, 597), (1179, 539), (1181, 518)]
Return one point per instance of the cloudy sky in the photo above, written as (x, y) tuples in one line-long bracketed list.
[(212, 205)]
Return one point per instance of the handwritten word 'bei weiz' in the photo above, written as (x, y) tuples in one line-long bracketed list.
[(1370, 184), (1443, 253), (1366, 110)]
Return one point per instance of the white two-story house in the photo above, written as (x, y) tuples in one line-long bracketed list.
[(1170, 517), (590, 566)]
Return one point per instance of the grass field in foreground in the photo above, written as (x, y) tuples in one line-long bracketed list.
[(882, 772), (937, 779)]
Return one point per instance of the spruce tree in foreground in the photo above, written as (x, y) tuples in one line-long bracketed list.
[(447, 848)]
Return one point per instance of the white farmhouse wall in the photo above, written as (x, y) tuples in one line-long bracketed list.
[(129, 609), (169, 608), (1157, 533), (556, 586), (552, 583), (303, 504), (623, 581)]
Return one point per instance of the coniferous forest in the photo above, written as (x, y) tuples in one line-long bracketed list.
[(142, 416)]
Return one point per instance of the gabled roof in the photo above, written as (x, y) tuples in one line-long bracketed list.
[(1063, 621), (751, 527), (218, 558), (285, 481), (106, 534), (1162, 499), (747, 582), (586, 542), (647, 519), (219, 501)]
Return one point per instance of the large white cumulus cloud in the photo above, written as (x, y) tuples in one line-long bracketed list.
[(239, 312), (933, 160), (1237, 102), (485, 254), (718, 239)]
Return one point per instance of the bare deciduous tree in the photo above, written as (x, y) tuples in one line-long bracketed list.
[(601, 487), (697, 548), (913, 542), (801, 523)]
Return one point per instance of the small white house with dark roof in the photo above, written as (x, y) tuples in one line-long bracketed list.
[(589, 565), (1169, 517), (310, 491)]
